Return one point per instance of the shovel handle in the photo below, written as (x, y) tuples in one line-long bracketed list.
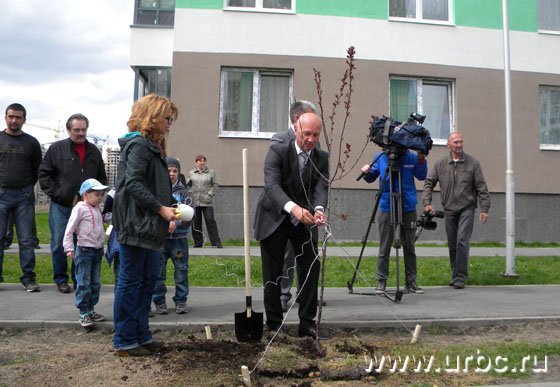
[(246, 241)]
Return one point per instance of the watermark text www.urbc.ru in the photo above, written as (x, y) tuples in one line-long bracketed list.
[(479, 364)]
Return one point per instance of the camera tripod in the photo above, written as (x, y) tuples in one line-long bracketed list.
[(391, 175)]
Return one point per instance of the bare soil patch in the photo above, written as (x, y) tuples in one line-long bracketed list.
[(64, 357)]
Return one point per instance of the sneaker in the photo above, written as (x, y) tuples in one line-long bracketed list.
[(381, 285), (181, 308), (96, 317), (413, 288), (138, 351), (31, 286), (161, 309), (85, 321)]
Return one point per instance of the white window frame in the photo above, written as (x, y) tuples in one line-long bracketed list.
[(546, 146), (255, 114), (542, 31), (259, 8), (419, 17), (419, 99)]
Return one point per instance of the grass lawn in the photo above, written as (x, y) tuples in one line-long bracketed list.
[(229, 271)]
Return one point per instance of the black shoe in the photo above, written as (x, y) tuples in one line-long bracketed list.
[(218, 246), (197, 246), (63, 287), (319, 303), (284, 305), (310, 332), (36, 245), (413, 288), (154, 346), (138, 351), (459, 285), (451, 283), (279, 331)]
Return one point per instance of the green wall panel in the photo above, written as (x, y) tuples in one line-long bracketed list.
[(204, 4), (470, 13), (488, 14), (369, 9)]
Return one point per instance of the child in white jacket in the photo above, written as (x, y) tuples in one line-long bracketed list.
[(87, 222)]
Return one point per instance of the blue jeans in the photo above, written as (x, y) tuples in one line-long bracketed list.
[(178, 251), (88, 276), (139, 271), (21, 203), (58, 219)]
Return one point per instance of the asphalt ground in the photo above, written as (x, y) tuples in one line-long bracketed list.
[(441, 305)]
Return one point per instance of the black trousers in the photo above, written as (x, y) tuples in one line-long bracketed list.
[(211, 226), (307, 267)]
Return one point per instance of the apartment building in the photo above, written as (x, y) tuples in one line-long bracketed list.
[(233, 67)]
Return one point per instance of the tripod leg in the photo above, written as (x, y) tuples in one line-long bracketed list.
[(350, 284)]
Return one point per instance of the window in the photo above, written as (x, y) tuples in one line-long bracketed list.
[(254, 103), (550, 116), (420, 10), (152, 80), (431, 97), (155, 12), (261, 5), (549, 15)]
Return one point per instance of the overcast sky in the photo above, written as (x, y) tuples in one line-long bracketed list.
[(67, 56)]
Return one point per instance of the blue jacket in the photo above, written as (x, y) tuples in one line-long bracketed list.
[(410, 168), (181, 195)]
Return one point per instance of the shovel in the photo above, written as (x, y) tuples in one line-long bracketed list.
[(248, 324)]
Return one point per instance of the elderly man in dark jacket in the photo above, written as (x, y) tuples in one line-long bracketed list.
[(292, 204), (66, 165)]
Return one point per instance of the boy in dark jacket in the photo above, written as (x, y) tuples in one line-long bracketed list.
[(176, 248)]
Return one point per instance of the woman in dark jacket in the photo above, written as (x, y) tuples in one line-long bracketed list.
[(141, 215)]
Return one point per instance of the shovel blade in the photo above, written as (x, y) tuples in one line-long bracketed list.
[(248, 328)]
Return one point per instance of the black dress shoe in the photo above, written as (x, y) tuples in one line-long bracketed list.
[(197, 246), (219, 246), (307, 332), (279, 331), (63, 287)]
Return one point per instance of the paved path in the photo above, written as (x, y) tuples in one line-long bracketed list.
[(440, 305), (475, 305), (354, 251)]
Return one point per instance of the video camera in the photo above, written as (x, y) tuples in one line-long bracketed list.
[(396, 136), (425, 220)]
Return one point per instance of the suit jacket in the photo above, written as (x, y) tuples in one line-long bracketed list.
[(283, 183)]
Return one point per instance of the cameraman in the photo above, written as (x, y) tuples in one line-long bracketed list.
[(462, 184), (411, 165)]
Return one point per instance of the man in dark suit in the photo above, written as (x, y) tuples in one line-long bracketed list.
[(296, 109), (291, 206)]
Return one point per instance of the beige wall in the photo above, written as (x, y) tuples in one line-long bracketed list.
[(479, 115)]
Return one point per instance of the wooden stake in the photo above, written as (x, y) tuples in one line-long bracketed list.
[(416, 334), (208, 332), (246, 376)]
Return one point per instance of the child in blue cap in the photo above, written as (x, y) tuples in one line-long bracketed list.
[(87, 222)]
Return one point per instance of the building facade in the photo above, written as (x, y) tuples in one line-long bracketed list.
[(234, 66)]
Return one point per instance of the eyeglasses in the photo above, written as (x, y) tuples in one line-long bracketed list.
[(170, 120)]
